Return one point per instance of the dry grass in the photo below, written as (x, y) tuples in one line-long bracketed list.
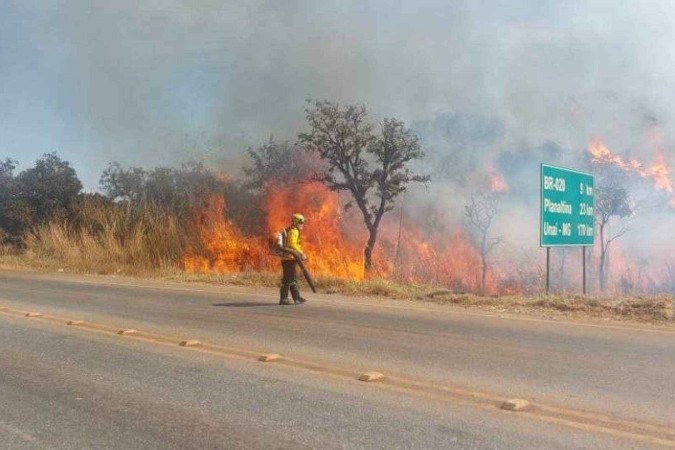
[(114, 240), (650, 308)]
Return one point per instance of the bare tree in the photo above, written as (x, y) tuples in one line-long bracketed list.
[(480, 212), (668, 284), (611, 201), (371, 164)]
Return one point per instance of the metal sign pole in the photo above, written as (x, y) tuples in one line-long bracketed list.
[(548, 269), (583, 256)]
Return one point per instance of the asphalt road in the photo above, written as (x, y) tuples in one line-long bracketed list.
[(63, 387)]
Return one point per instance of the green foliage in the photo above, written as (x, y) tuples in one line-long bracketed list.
[(371, 163), (174, 189), (49, 188), (36, 195), (279, 164), (6, 177), (119, 183), (612, 200)]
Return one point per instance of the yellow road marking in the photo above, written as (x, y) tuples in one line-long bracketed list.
[(588, 421)]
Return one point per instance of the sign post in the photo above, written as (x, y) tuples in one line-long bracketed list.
[(567, 216)]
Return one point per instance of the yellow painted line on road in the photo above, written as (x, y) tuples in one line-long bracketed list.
[(665, 441), (587, 421), (646, 432)]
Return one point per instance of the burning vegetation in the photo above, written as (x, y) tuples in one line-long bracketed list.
[(658, 172), (352, 178)]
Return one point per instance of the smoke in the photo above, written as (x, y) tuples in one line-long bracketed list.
[(133, 79)]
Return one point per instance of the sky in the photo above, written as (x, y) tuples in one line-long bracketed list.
[(158, 82)]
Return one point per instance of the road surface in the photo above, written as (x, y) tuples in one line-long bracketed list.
[(446, 372)]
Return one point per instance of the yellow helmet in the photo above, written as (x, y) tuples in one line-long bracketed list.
[(298, 218)]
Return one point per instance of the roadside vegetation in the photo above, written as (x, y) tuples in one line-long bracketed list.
[(349, 174)]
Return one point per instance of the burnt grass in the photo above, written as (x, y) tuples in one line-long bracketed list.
[(645, 308), (658, 309)]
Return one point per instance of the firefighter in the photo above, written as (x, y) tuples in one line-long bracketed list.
[(288, 263)]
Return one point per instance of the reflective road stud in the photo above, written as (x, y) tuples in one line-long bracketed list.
[(127, 332), (371, 376), (515, 404)]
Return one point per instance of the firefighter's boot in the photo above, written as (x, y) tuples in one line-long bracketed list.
[(295, 292), (283, 295)]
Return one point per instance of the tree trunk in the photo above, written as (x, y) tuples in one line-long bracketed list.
[(603, 253), (368, 252), (482, 280), (483, 257)]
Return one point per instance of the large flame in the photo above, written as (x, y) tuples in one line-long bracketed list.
[(334, 240), (332, 250), (221, 246), (657, 172)]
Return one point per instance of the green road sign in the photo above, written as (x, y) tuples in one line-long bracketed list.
[(567, 206)]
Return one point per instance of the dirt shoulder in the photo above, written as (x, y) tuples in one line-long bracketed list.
[(652, 310)]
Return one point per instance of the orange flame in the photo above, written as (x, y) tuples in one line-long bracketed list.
[(497, 182), (657, 172), (334, 240), (333, 252), (221, 247)]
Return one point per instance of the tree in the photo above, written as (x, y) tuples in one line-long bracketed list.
[(40, 193), (480, 212), (6, 181), (6, 173), (371, 164), (611, 201), (173, 189), (278, 163), (6, 190), (48, 189), (123, 184)]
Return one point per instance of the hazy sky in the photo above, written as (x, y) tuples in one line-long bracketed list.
[(156, 82)]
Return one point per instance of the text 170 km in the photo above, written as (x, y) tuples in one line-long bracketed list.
[(565, 229)]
